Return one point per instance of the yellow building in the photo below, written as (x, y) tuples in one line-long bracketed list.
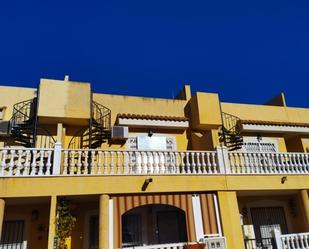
[(135, 172)]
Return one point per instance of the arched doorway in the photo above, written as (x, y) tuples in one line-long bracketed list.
[(153, 224)]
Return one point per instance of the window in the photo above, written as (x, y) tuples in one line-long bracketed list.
[(12, 233), (266, 145)]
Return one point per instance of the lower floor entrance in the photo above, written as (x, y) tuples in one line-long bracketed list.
[(153, 224)]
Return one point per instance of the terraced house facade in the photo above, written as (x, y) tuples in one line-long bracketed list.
[(135, 172)]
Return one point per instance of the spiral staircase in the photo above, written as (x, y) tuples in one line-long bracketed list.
[(98, 131), (23, 126), (230, 132)]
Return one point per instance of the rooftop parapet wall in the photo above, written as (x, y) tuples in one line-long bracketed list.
[(139, 105), (205, 111), (277, 114), (64, 100)]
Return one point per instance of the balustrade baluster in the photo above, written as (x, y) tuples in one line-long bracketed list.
[(182, 163), (3, 163), (19, 165), (41, 163), (11, 165), (33, 164), (118, 167), (126, 160), (79, 162), (86, 163), (72, 162), (301, 241), (242, 165), (296, 239), (208, 162), (65, 163), (143, 163), (214, 163), (92, 162), (296, 162), (99, 167), (306, 240), (161, 163), (48, 163), (150, 158), (247, 163), (279, 163), (254, 163), (188, 163), (193, 165), (177, 162), (300, 159), (111, 170), (27, 163), (232, 160), (105, 165), (203, 166), (198, 164), (166, 163), (292, 163), (306, 163)]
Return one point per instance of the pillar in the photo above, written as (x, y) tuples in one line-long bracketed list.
[(52, 222), (104, 222), (2, 205), (305, 204), (230, 219)]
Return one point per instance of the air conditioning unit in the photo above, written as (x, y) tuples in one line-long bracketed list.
[(120, 132)]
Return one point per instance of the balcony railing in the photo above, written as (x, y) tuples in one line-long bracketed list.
[(59, 162), (291, 241), (207, 243)]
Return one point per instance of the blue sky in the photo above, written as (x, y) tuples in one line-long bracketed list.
[(247, 51)]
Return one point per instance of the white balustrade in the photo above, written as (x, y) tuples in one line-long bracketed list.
[(160, 246), (268, 163), (20, 245), (57, 161), (297, 240), (116, 162), (25, 162), (209, 243), (291, 241)]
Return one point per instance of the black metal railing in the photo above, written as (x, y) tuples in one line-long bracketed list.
[(98, 130), (262, 243), (230, 132)]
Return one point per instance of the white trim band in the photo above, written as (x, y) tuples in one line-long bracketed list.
[(153, 123), (274, 128)]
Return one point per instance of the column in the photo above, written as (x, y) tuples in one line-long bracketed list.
[(230, 219), (52, 222), (2, 205), (104, 222), (305, 204)]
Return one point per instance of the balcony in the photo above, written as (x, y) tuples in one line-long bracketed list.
[(24, 162)]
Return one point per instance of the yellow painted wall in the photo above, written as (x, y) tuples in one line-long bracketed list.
[(205, 111), (267, 113), (230, 219), (140, 105), (64, 100), (36, 228), (12, 95)]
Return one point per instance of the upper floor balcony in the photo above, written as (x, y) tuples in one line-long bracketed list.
[(24, 162)]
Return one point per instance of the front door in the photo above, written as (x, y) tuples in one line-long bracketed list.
[(265, 220)]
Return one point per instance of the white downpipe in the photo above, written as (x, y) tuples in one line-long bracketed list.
[(111, 223), (217, 214), (198, 219)]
